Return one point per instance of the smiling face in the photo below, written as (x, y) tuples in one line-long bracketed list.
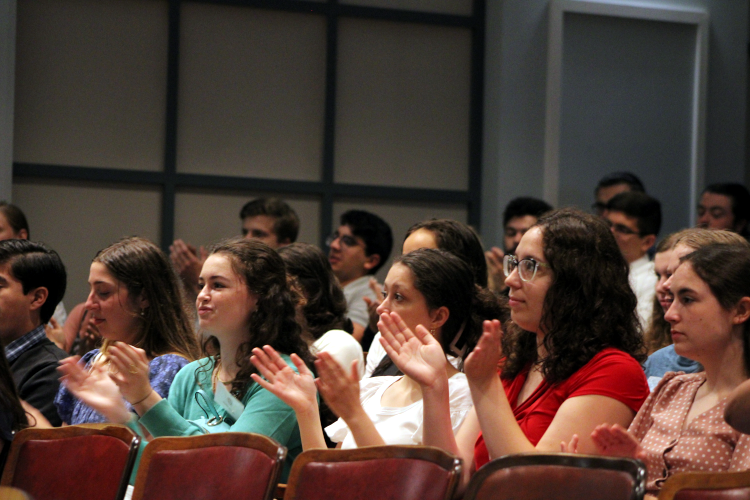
[(112, 310), (400, 296), (224, 302), (347, 256), (526, 298), (701, 328)]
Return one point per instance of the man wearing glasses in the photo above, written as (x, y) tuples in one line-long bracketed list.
[(357, 249), (635, 220)]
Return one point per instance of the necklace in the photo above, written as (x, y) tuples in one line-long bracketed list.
[(216, 374)]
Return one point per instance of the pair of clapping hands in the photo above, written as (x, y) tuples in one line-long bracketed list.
[(416, 353), (103, 387)]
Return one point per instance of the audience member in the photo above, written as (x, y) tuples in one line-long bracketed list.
[(725, 206), (80, 332), (614, 184), (322, 307), (570, 353), (360, 246), (684, 242), (13, 225), (135, 299), (32, 282), (269, 220), (245, 302), (520, 214), (425, 289), (658, 335), (446, 234), (681, 426), (635, 220)]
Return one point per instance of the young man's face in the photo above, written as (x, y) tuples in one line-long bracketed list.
[(15, 307), (514, 230), (260, 227), (715, 212), (625, 230), (347, 256)]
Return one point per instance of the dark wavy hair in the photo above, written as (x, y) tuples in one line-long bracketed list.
[(273, 321), (145, 271), (460, 240), (445, 280), (325, 304), (589, 305)]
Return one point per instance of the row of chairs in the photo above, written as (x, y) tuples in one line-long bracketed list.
[(95, 462)]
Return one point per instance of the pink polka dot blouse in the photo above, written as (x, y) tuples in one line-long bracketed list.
[(707, 444)]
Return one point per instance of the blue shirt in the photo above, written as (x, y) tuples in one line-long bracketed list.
[(21, 344)]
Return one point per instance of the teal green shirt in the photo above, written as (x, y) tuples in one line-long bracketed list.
[(264, 413)]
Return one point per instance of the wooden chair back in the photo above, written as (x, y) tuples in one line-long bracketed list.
[(707, 486), (217, 466)]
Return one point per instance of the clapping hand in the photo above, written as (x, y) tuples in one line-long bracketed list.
[(481, 365), (339, 389), (295, 389), (616, 441), (95, 388)]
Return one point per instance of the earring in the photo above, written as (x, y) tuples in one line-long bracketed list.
[(432, 332), (143, 313)]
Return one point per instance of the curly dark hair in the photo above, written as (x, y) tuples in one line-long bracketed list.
[(144, 269), (325, 304), (447, 280), (273, 322), (589, 305)]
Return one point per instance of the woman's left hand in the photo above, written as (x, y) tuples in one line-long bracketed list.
[(129, 369), (481, 365), (340, 391)]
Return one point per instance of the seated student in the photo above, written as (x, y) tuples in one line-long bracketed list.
[(356, 250), (681, 426), (32, 283), (13, 225), (322, 306), (571, 350), (684, 242), (449, 235), (135, 299), (613, 184), (725, 206), (429, 289), (635, 220), (657, 335), (244, 303), (269, 220)]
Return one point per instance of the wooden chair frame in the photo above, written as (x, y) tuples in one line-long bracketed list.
[(635, 468), (120, 432), (703, 481), (450, 463), (266, 445)]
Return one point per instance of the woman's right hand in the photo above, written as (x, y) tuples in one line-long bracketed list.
[(481, 364), (417, 354), (295, 389), (616, 441), (95, 388)]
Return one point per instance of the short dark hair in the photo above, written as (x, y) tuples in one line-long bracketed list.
[(286, 225), (616, 178), (15, 217), (460, 240), (35, 265), (525, 205), (645, 209), (375, 232), (739, 195)]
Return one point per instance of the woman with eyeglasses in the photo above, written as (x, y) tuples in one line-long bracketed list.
[(569, 358)]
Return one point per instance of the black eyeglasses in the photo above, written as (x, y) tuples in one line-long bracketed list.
[(346, 240), (622, 229)]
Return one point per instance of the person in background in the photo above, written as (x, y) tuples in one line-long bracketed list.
[(269, 220), (357, 250), (520, 214), (614, 184), (635, 220), (658, 336), (681, 426), (32, 282), (13, 225), (725, 206)]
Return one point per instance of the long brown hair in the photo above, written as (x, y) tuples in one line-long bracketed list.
[(144, 270), (273, 321), (589, 305)]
